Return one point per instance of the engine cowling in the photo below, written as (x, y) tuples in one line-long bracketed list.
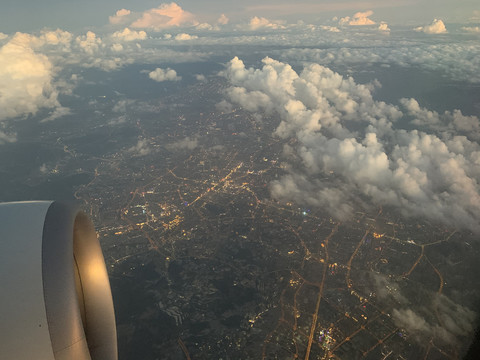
[(55, 297)]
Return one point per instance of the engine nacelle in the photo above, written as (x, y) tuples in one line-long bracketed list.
[(55, 297)]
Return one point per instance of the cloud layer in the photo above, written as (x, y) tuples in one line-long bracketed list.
[(349, 152)]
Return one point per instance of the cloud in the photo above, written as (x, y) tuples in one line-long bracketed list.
[(223, 20), (358, 19), (3, 36), (89, 42), (164, 75), (7, 138), (452, 321), (348, 148), (26, 79), (457, 61), (449, 122), (330, 28), (121, 105), (184, 36), (117, 47), (383, 27), (120, 17), (129, 35), (141, 148), (56, 37), (57, 113), (187, 143), (436, 27), (201, 77), (257, 23), (165, 16), (471, 29), (207, 26)]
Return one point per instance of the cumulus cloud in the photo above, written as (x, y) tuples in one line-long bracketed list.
[(257, 23), (453, 122), (160, 74), (201, 77), (129, 35), (358, 19), (436, 27), (26, 79), (223, 19), (3, 36), (383, 27), (348, 147), (89, 42), (184, 36), (165, 16), (56, 37), (120, 17), (141, 148), (116, 47)]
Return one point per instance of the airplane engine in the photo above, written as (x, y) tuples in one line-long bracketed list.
[(55, 297)]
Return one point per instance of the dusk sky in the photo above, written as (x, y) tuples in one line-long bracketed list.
[(365, 106), (27, 15)]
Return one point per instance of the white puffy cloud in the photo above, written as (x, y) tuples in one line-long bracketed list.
[(129, 35), (358, 19), (223, 19), (184, 36), (340, 129), (120, 17), (436, 27), (3, 36), (26, 79), (257, 23), (165, 16), (453, 122), (164, 75), (56, 37), (89, 42), (200, 77), (383, 27)]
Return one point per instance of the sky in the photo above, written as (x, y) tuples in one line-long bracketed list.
[(28, 15), (377, 103), (309, 73)]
